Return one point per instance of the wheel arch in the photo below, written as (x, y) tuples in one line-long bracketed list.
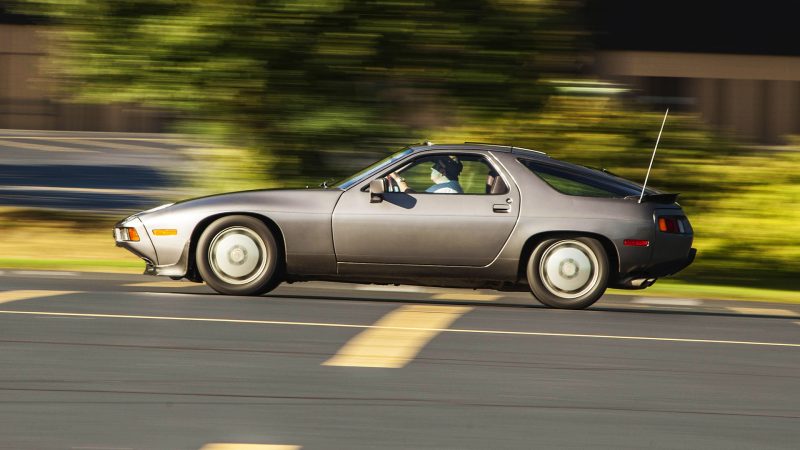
[(536, 239), (193, 274)]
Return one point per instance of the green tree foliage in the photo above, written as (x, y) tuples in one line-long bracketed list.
[(298, 79), (744, 203)]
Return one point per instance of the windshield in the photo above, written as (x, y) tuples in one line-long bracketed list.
[(376, 167)]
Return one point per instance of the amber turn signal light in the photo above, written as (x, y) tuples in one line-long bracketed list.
[(133, 235), (126, 234)]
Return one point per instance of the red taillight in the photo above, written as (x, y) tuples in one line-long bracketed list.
[(670, 224), (636, 243)]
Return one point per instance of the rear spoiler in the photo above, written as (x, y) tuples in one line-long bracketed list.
[(656, 198)]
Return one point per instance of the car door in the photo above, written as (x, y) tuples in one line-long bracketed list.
[(423, 228)]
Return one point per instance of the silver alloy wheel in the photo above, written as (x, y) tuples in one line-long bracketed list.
[(238, 255), (569, 269)]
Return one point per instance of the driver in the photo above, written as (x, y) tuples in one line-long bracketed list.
[(444, 174)]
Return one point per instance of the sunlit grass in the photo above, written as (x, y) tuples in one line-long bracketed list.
[(671, 288), (32, 239)]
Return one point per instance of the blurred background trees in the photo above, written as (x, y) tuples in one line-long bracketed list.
[(288, 92), (296, 84)]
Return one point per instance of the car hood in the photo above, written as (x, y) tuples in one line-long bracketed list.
[(256, 201)]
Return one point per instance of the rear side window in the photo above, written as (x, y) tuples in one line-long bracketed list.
[(578, 182)]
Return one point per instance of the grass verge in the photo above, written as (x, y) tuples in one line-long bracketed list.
[(57, 240), (680, 289)]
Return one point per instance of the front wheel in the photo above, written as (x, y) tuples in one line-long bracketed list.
[(238, 255), (568, 273)]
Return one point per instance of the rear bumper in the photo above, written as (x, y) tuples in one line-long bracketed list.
[(672, 267), (645, 277)]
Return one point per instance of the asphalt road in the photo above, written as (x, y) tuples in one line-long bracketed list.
[(115, 362)]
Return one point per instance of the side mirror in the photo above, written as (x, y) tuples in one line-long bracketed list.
[(376, 189)]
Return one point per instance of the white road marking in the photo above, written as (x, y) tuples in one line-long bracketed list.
[(441, 330), (82, 190), (73, 138), (64, 318), (667, 301), (764, 311), (171, 141), (101, 448), (44, 273), (381, 288), (42, 147), (165, 284), (117, 146), (233, 446), (167, 294)]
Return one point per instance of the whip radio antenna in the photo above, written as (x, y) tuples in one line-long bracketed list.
[(644, 186)]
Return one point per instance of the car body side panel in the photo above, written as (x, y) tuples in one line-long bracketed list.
[(545, 210), (303, 217), (422, 229), (670, 247)]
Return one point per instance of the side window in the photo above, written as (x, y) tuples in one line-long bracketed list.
[(573, 187), (448, 174), (574, 183)]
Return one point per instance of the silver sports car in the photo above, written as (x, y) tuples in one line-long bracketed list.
[(465, 215)]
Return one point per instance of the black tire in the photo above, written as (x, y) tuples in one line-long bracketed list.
[(568, 272), (227, 250)]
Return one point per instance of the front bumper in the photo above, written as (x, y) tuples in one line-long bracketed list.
[(143, 248)]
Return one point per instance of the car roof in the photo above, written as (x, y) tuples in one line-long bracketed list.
[(428, 146)]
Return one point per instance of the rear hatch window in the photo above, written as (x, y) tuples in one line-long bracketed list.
[(581, 181)]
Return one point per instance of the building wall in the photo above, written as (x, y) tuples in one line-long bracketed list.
[(29, 97), (754, 97)]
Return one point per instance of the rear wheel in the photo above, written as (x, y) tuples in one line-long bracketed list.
[(568, 273), (238, 255)]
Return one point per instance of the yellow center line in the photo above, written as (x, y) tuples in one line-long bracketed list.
[(397, 337), (232, 446), (764, 311), (13, 296), (470, 297), (439, 330)]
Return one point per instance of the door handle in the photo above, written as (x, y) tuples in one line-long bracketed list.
[(501, 208)]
